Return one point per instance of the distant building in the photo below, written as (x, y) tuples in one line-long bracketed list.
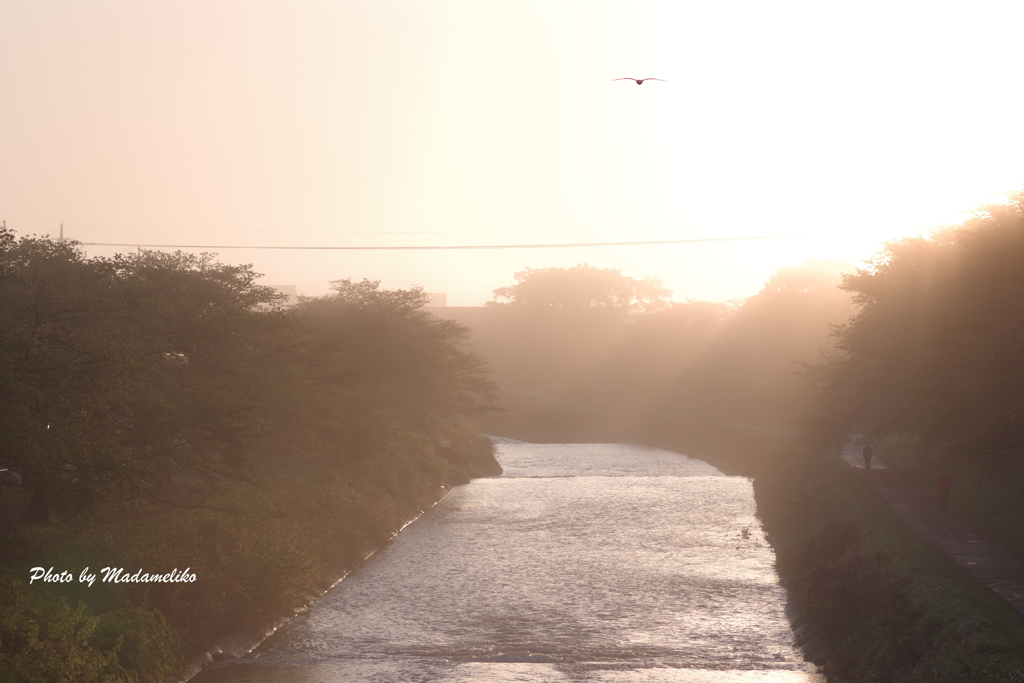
[(437, 300), (290, 291)]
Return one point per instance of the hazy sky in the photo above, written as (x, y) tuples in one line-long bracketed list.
[(401, 122)]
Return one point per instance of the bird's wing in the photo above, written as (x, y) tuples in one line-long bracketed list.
[(623, 79), (654, 79)]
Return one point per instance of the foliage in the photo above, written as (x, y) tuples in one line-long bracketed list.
[(127, 377), (170, 377), (146, 396), (871, 601), (702, 365), (556, 324), (59, 644), (411, 364), (582, 286), (936, 348), (693, 367), (247, 571), (654, 350)]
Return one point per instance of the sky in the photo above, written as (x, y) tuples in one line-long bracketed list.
[(478, 122)]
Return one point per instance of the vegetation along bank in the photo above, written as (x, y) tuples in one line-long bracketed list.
[(164, 412), (920, 351), (929, 369)]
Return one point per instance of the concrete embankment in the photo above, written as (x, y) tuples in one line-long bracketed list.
[(869, 599), (246, 639), (238, 644)]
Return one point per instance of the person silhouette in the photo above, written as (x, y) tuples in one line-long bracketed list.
[(943, 485), (867, 457)]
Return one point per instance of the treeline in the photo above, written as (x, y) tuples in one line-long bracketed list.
[(698, 370), (920, 353), (931, 369), (622, 361), (164, 410), (923, 346), (936, 349), (551, 329)]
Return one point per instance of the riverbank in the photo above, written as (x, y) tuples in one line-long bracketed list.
[(871, 600), (520, 577), (979, 554), (242, 642), (986, 493), (253, 572)]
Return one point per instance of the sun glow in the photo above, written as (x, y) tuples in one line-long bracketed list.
[(497, 123)]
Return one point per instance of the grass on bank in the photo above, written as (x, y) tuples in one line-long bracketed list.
[(873, 601), (251, 571), (987, 493)]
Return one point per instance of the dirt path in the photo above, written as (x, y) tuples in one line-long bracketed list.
[(983, 558)]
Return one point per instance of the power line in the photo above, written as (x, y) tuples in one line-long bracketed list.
[(347, 232), (462, 246)]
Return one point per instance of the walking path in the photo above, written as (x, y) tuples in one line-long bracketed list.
[(999, 569)]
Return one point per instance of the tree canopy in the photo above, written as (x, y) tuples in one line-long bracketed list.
[(702, 363), (582, 286), (149, 394), (937, 348), (172, 378)]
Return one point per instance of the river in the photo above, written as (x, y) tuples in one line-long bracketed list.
[(583, 562)]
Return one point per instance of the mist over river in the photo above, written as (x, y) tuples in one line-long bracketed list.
[(583, 562)]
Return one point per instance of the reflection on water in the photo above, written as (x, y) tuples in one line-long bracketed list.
[(584, 562)]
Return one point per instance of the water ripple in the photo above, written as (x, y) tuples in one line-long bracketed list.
[(585, 562)]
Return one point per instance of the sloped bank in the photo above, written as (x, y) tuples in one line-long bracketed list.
[(253, 572), (240, 643), (870, 600), (460, 467)]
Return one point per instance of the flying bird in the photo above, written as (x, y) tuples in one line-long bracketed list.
[(639, 81)]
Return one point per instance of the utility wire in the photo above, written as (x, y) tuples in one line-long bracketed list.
[(460, 246), (351, 232)]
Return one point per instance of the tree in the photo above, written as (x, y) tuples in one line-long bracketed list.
[(211, 350), (582, 286), (173, 379), (62, 375), (653, 351), (937, 348), (739, 365), (408, 369), (128, 378)]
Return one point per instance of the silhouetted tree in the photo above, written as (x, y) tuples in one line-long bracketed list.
[(582, 286), (174, 378), (937, 348), (745, 370), (122, 374), (405, 366)]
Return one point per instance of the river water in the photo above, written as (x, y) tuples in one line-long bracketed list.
[(583, 562)]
